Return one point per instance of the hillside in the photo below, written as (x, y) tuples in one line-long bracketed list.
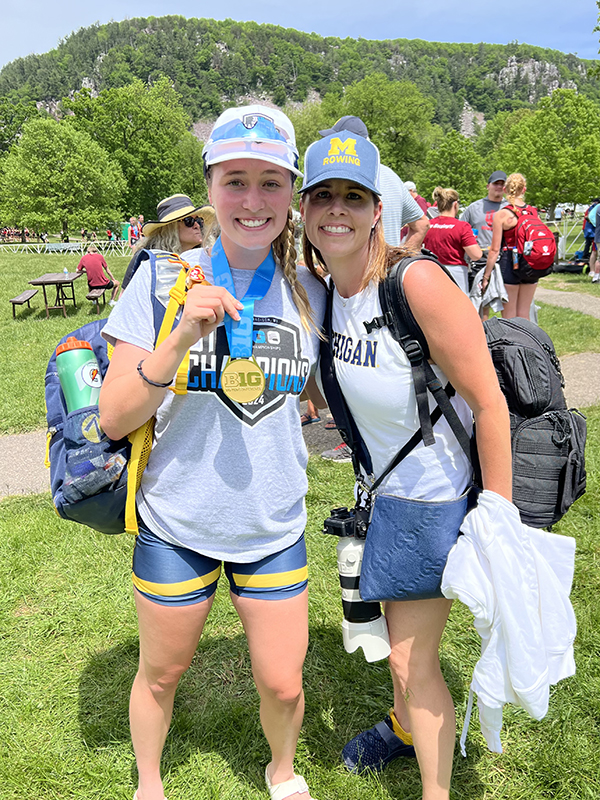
[(211, 63)]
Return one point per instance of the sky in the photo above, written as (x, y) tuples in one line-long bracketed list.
[(35, 26)]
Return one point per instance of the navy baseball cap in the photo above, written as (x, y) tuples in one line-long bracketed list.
[(497, 176), (348, 123), (344, 155)]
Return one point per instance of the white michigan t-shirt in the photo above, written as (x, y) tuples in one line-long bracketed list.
[(376, 379)]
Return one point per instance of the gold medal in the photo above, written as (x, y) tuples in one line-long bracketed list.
[(243, 380)]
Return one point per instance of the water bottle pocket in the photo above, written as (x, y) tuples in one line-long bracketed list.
[(94, 463)]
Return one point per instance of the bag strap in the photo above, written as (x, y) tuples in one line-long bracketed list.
[(336, 400), (140, 437), (398, 317)]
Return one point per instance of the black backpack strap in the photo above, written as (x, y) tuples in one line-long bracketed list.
[(335, 399), (404, 328)]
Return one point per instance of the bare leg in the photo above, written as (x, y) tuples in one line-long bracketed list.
[(422, 702), (525, 299), (168, 640), (510, 309), (115, 290), (520, 298), (277, 632)]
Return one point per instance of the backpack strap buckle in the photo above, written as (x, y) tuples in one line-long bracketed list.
[(379, 322), (413, 349)]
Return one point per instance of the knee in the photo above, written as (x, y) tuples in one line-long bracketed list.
[(286, 692), (162, 680), (412, 665)]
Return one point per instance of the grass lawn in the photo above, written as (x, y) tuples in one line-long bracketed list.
[(68, 653), (28, 341), (68, 643), (571, 283)]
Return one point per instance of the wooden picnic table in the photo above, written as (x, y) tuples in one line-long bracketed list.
[(65, 289)]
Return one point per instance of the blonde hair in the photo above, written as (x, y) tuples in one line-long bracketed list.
[(515, 185), (164, 238), (381, 257), (444, 198)]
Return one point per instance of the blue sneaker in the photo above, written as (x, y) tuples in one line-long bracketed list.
[(375, 748)]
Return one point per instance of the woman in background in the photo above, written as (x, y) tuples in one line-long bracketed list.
[(451, 239)]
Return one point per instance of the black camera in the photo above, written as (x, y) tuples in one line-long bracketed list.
[(348, 522)]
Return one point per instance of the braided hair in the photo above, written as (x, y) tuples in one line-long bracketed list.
[(284, 250)]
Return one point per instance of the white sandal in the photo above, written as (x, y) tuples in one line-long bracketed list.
[(279, 791), (135, 797)]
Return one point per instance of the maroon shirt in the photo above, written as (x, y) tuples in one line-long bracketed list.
[(94, 265), (447, 238)]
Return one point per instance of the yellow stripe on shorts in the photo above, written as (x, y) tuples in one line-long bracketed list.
[(273, 580), (176, 589)]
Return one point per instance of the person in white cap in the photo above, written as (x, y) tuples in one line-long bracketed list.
[(226, 480)]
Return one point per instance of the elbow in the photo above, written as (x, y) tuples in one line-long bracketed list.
[(111, 427)]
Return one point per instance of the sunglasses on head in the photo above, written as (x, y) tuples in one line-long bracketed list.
[(189, 222)]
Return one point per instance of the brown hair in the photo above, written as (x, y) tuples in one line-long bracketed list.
[(444, 198), (515, 185), (381, 257)]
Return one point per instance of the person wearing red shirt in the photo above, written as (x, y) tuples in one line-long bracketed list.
[(450, 239), (98, 274)]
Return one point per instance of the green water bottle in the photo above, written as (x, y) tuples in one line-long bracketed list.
[(79, 373)]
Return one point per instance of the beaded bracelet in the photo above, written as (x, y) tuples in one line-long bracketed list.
[(152, 383)]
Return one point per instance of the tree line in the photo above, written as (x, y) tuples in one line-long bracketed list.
[(210, 63), (106, 157)]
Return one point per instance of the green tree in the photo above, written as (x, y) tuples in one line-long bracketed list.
[(141, 127), (56, 177), (453, 164), (398, 117), (495, 134), (557, 149), (192, 180), (12, 118)]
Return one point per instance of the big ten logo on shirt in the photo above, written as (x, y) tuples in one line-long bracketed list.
[(344, 152), (278, 352), (360, 353)]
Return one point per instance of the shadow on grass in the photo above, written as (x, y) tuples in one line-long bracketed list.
[(216, 710)]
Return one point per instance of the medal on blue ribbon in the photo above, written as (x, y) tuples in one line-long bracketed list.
[(242, 380)]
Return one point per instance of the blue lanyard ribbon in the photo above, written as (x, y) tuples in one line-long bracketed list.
[(240, 333)]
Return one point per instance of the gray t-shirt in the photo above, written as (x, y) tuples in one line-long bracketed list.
[(399, 207), (224, 479), (480, 215)]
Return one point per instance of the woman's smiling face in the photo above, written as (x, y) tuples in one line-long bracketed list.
[(339, 216), (251, 199)]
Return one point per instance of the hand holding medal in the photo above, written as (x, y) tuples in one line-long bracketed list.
[(205, 306)]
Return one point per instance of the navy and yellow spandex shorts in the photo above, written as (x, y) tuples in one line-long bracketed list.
[(175, 576)]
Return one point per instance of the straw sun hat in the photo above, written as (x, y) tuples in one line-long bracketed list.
[(174, 208)]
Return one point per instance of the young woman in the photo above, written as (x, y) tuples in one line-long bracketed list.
[(451, 239), (342, 212), (226, 477), (520, 289)]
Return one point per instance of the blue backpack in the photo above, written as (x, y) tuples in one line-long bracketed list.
[(94, 479)]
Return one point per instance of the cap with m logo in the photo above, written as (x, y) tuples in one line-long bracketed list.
[(342, 155)]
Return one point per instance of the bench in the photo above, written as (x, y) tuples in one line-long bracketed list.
[(63, 247), (95, 295), (25, 297)]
